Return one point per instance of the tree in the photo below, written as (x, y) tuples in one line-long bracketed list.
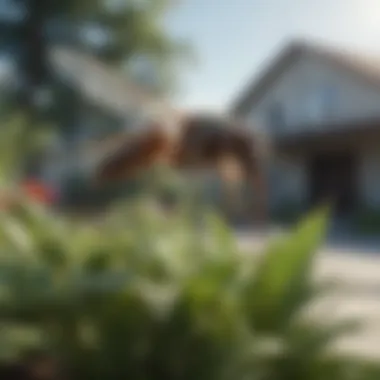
[(121, 33)]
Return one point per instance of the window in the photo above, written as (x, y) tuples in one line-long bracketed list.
[(318, 104), (314, 107), (329, 100), (276, 117)]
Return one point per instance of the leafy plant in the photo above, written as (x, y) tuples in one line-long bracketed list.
[(367, 221), (288, 213), (145, 296)]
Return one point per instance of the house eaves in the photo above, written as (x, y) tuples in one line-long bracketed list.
[(366, 69)]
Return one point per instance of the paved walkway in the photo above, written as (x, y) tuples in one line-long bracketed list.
[(355, 267)]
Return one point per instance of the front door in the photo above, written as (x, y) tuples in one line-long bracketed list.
[(334, 177)]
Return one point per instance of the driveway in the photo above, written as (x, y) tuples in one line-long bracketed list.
[(355, 266)]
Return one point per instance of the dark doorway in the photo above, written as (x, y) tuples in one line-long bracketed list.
[(334, 177)]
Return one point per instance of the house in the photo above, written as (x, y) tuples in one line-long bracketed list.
[(321, 109)]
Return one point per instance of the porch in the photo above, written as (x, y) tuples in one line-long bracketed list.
[(340, 163)]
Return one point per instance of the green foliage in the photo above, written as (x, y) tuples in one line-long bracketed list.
[(79, 192), (144, 296), (281, 284), (130, 36), (10, 138), (130, 29), (287, 213), (367, 221), (17, 144), (135, 30)]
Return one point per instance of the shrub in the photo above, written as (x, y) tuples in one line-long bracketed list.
[(148, 297), (367, 221), (79, 192), (287, 213)]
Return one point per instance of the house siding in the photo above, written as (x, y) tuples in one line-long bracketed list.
[(352, 98)]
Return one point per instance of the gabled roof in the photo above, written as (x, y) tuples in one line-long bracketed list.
[(366, 69)]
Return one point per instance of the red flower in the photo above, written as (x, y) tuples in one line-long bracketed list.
[(39, 191)]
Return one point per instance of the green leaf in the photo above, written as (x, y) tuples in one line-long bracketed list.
[(280, 285)]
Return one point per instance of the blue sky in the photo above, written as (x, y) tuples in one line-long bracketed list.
[(234, 39)]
